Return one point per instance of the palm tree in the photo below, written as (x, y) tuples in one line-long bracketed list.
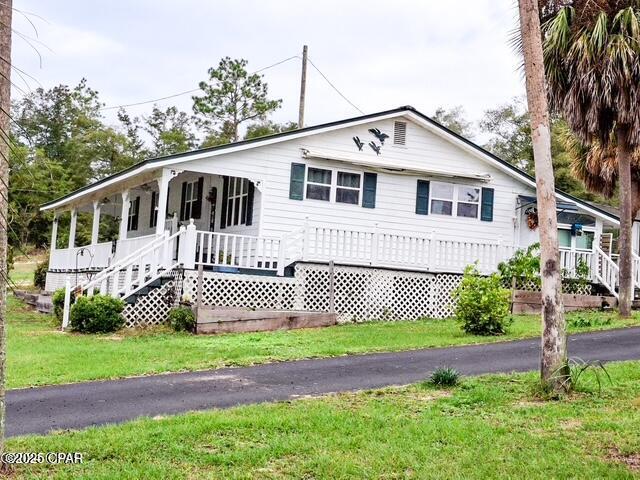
[(592, 66), (553, 365)]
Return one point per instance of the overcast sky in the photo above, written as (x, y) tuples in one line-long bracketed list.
[(379, 54)]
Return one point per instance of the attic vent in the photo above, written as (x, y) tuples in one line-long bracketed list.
[(399, 133)]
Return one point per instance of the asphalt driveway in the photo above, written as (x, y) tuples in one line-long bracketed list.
[(40, 410)]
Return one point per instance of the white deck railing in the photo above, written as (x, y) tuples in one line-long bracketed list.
[(129, 245), (606, 271), (570, 259), (428, 253), (239, 251), (87, 257)]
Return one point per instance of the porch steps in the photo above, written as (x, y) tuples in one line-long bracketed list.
[(216, 320), (157, 283)]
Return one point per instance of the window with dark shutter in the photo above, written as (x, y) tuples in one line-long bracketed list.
[(422, 197), (225, 195), (370, 182), (296, 183), (191, 202), (134, 213), (486, 213), (235, 202), (153, 212)]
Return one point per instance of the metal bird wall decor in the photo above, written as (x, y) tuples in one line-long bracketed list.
[(358, 143), (375, 148), (379, 135)]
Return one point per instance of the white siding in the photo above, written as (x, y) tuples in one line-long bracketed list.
[(396, 194)]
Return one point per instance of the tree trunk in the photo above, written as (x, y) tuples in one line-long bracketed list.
[(5, 105), (553, 364), (623, 156)]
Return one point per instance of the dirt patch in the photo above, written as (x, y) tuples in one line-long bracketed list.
[(631, 460)]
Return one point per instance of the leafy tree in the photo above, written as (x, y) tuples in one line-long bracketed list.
[(217, 136), (592, 64), (510, 139), (454, 120), (171, 131), (268, 127), (232, 95)]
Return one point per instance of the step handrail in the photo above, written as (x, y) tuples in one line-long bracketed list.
[(126, 261), (603, 256), (152, 279)]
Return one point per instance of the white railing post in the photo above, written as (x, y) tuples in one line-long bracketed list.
[(282, 254), (67, 304), (432, 250), (374, 245), (187, 249), (305, 239)]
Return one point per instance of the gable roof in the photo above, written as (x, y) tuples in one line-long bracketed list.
[(404, 111)]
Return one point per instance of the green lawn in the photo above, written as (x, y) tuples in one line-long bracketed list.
[(38, 354), (490, 427)]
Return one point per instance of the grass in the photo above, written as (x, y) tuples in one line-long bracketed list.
[(22, 272), (489, 427), (38, 354)]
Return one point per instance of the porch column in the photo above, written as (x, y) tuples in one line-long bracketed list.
[(163, 190), (95, 227), (54, 231), (124, 216), (72, 228)]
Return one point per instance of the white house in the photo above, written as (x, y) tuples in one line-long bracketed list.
[(391, 190)]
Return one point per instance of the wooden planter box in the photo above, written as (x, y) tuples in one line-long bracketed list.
[(236, 320), (531, 302)]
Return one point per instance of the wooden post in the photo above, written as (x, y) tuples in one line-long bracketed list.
[(54, 238), (332, 289), (199, 290), (72, 228), (163, 190), (124, 216), (67, 304), (303, 87)]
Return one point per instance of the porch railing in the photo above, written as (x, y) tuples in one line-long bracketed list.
[(428, 253), (606, 270), (238, 251), (87, 257)]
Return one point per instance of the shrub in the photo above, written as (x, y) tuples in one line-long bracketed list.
[(58, 303), (580, 282), (445, 377), (482, 304), (40, 274), (588, 320), (97, 314), (523, 265), (182, 319)]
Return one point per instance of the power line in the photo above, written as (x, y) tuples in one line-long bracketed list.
[(186, 92), (334, 87)]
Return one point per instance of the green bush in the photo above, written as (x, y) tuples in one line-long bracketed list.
[(182, 319), (445, 377), (97, 314), (40, 274), (523, 265), (58, 303), (481, 303), (582, 320)]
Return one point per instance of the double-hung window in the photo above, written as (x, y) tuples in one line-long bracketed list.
[(468, 201), (319, 184), (441, 198), (237, 201), (348, 188), (190, 199)]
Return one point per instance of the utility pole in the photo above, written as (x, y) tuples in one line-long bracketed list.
[(5, 106), (303, 87)]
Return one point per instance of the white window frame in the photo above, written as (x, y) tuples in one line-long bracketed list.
[(357, 189), (330, 184), (456, 187), (130, 216), (231, 201), (190, 199), (573, 247), (333, 186)]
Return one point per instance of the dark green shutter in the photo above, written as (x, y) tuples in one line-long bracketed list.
[(225, 200), (369, 185), (250, 195), (196, 210), (422, 197), (486, 211), (183, 198), (152, 216), (296, 185)]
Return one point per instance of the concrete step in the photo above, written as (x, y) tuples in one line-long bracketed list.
[(214, 320)]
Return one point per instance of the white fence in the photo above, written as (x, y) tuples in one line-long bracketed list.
[(362, 247), (87, 257), (241, 251)]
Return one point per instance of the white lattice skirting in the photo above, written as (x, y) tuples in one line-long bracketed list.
[(361, 293)]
